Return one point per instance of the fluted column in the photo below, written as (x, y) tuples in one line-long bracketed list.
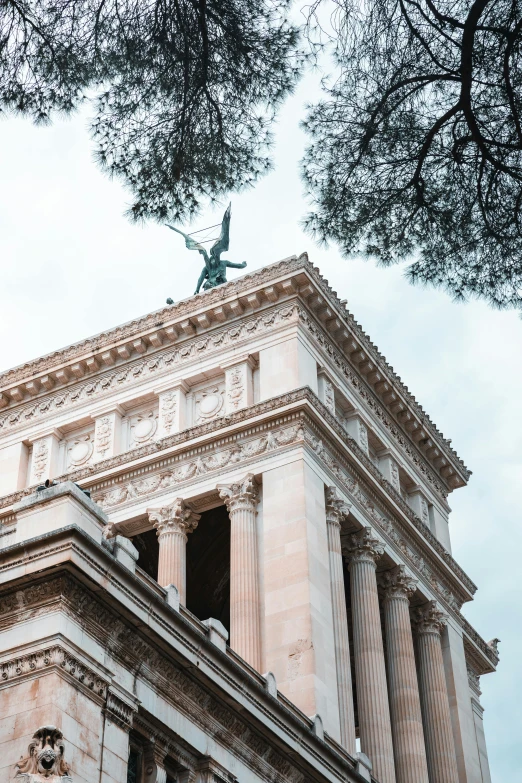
[(406, 719), (173, 523), (440, 747), (336, 509), (245, 615), (370, 673)]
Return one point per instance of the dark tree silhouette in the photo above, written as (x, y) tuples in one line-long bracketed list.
[(417, 146), (184, 90)]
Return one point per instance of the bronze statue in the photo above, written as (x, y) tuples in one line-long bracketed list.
[(215, 270)]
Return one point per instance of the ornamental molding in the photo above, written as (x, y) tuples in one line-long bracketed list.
[(157, 364), (125, 373), (53, 657), (125, 488), (176, 686), (119, 711)]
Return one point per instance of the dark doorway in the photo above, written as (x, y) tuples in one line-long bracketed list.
[(148, 548), (208, 567)]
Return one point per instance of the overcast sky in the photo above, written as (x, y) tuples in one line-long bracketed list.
[(73, 266)]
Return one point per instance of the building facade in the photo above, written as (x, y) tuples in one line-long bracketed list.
[(241, 568)]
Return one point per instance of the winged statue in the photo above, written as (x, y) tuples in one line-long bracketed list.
[(215, 270)]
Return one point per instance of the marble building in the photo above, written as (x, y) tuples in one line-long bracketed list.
[(241, 567)]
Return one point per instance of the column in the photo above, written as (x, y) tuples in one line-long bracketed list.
[(239, 383), (336, 509), (173, 523), (172, 408), (44, 461), (245, 597), (440, 748), (370, 672), (406, 719)]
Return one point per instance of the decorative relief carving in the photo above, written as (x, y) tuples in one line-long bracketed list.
[(429, 619), (169, 404), (397, 584), (141, 427), (209, 403), (240, 496), (53, 656), (119, 711), (45, 762), (363, 436), (395, 477), (236, 388), (199, 466), (425, 517), (176, 518), (362, 547), (336, 508), (79, 449), (40, 458), (103, 434), (329, 396)]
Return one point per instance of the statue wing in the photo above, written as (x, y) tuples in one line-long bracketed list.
[(222, 243), (190, 243)]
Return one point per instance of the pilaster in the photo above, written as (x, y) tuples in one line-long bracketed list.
[(358, 431), (107, 432), (172, 408), (44, 461), (239, 384)]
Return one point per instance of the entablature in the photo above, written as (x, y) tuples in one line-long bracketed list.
[(244, 440), (232, 314)]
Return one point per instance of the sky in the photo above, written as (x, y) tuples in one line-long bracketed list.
[(72, 266)]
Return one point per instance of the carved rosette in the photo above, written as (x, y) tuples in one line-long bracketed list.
[(176, 518), (429, 619), (363, 547), (336, 508), (240, 496), (397, 584)]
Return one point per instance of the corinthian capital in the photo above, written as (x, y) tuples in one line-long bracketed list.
[(362, 547), (240, 496), (397, 584), (336, 507), (429, 619), (176, 518)]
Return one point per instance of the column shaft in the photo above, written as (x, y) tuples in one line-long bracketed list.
[(245, 603), (406, 719), (335, 509), (440, 748), (172, 562), (173, 523), (370, 671)]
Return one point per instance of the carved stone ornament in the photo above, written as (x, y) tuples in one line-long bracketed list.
[(363, 547), (240, 496), (236, 388), (397, 584), (103, 434), (169, 404), (176, 518), (45, 758), (41, 454), (336, 507), (430, 619)]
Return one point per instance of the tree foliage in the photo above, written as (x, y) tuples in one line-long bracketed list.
[(417, 144), (184, 90)]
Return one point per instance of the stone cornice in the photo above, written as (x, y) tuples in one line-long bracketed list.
[(198, 315), (157, 459), (477, 649), (247, 730)]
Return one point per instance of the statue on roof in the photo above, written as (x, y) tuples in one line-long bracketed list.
[(215, 270)]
